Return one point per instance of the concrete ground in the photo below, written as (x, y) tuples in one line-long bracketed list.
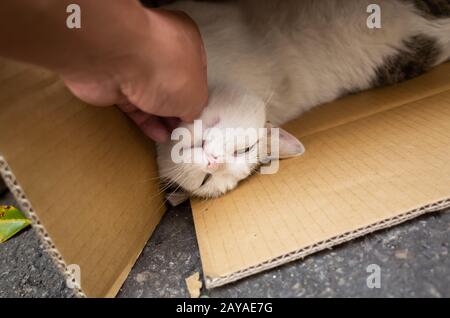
[(413, 257)]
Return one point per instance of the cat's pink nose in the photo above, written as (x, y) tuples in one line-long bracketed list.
[(213, 163)]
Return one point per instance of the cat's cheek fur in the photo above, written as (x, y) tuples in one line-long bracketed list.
[(216, 187), (226, 180)]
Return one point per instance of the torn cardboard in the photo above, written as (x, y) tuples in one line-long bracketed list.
[(88, 179), (194, 285)]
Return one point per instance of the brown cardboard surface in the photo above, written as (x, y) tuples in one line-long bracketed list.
[(89, 174), (372, 160)]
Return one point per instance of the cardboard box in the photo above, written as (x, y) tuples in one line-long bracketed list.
[(88, 180)]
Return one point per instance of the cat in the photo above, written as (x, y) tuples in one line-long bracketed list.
[(269, 61)]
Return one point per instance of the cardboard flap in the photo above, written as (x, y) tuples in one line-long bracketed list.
[(372, 160), (357, 106), (88, 172)]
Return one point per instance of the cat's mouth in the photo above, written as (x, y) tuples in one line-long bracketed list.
[(175, 186), (176, 195), (206, 179)]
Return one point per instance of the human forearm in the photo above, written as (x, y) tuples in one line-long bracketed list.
[(35, 31)]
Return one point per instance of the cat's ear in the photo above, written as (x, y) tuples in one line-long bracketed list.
[(289, 145), (177, 197)]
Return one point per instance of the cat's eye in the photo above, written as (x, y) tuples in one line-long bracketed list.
[(198, 144), (206, 179), (243, 151)]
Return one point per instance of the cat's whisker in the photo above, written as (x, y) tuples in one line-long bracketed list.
[(166, 200), (159, 177), (174, 181), (149, 179), (171, 183), (168, 185)]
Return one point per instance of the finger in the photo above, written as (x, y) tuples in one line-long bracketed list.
[(127, 107), (150, 125), (99, 94), (154, 128), (139, 117), (171, 122), (195, 111)]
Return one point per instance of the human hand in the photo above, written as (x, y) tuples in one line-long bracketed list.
[(157, 77)]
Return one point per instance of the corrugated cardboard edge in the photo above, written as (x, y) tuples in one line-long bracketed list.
[(308, 250), (26, 207)]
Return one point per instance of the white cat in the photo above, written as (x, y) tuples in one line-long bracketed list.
[(272, 60)]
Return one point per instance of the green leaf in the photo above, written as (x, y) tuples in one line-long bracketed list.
[(12, 221)]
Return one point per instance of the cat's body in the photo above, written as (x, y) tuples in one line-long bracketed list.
[(308, 52), (300, 54)]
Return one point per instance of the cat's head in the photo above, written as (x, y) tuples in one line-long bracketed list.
[(226, 145)]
